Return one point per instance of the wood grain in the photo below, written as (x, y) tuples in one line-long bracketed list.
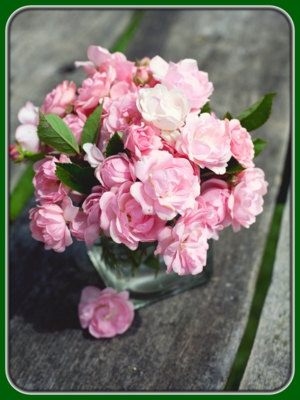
[(269, 367), (186, 343)]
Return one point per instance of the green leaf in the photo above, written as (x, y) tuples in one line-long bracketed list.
[(259, 145), (205, 109), (115, 145), (124, 40), (258, 113), (80, 179), (30, 155), (21, 193), (90, 132), (234, 166), (53, 131), (228, 116), (234, 170)]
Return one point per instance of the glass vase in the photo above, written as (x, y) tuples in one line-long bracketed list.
[(142, 273)]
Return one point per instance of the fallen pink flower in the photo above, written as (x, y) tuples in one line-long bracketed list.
[(105, 313)]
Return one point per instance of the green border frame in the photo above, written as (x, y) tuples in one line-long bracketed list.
[(9, 9)]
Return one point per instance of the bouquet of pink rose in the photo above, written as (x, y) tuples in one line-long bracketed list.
[(136, 154)]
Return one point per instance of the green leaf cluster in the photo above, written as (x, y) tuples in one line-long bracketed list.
[(115, 145), (80, 179), (205, 109), (255, 116), (53, 131), (90, 132)]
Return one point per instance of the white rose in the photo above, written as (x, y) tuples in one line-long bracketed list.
[(165, 109)]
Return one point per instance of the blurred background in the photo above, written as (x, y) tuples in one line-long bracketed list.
[(246, 52)]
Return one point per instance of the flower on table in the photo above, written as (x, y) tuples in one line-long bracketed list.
[(106, 313), (142, 157)]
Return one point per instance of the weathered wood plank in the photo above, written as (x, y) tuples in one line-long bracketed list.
[(188, 342), (269, 365), (43, 47)]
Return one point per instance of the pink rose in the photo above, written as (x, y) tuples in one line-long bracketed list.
[(241, 144), (167, 186), (159, 68), (29, 114), (60, 101), (165, 109), (194, 83), (122, 112), (15, 153), (142, 73), (120, 89), (123, 220), (215, 194), (79, 225), (93, 90), (255, 179), (141, 139), (48, 224), (101, 59), (205, 140), (92, 210), (97, 56), (170, 148), (26, 134), (184, 247), (48, 188), (77, 197), (115, 170), (245, 201), (76, 124), (105, 313)]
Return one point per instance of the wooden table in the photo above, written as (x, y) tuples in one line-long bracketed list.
[(186, 343)]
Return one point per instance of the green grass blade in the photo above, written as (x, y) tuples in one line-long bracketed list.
[(262, 285), (22, 193), (122, 43)]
